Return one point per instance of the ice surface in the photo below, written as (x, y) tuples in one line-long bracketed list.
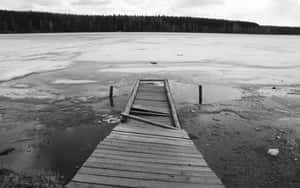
[(21, 93), (244, 58), (68, 81)]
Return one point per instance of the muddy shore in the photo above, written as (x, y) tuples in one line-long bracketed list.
[(235, 138)]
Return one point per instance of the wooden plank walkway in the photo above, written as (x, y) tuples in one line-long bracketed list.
[(148, 149)]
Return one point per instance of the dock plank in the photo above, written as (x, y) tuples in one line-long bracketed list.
[(147, 164), (157, 104), (146, 155), (169, 161), (179, 139), (164, 120), (151, 132), (133, 150), (152, 169), (151, 147), (151, 109), (142, 127), (209, 178), (153, 96), (127, 182), (74, 184), (151, 140)]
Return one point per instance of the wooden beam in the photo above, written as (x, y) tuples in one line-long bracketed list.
[(172, 105), (149, 109), (151, 99), (152, 80), (200, 94), (147, 121), (147, 113), (131, 100)]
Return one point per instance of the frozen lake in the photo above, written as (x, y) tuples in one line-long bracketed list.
[(258, 59)]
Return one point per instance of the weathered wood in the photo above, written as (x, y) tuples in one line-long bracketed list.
[(148, 121), (145, 126), (145, 155), (145, 164), (149, 135), (147, 176), (165, 120), (167, 144), (151, 169), (174, 139), (151, 90), (149, 144), (131, 100), (87, 185), (138, 139), (150, 99), (150, 109), (116, 181), (133, 150), (186, 170), (139, 124), (149, 150), (152, 80), (152, 96), (151, 140), (172, 105), (200, 94), (150, 132), (155, 158), (159, 93), (151, 86), (155, 104), (141, 112), (147, 160), (111, 92)]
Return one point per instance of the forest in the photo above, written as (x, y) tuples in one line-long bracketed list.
[(42, 22)]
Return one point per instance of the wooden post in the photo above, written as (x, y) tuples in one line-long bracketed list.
[(200, 94), (111, 95), (111, 91)]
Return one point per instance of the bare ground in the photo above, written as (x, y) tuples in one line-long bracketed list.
[(235, 137)]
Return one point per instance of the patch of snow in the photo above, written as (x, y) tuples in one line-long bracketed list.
[(279, 91), (20, 86), (21, 93), (69, 81), (273, 152), (11, 70)]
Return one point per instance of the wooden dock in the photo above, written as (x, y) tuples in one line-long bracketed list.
[(148, 149)]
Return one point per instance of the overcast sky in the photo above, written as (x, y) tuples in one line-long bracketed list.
[(265, 12)]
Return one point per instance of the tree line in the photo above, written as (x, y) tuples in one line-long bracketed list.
[(41, 22)]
